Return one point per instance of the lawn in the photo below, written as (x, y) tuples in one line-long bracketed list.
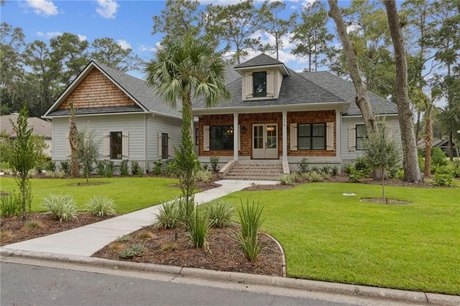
[(129, 194), (331, 237)]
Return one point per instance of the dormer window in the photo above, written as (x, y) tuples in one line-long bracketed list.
[(259, 81)]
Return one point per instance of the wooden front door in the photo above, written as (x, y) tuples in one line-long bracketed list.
[(265, 141)]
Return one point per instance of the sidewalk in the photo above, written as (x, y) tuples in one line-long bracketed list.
[(86, 240)]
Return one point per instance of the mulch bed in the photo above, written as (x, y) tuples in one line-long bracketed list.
[(174, 247), (13, 229), (385, 201)]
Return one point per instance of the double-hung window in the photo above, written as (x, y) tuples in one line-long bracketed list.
[(221, 137), (311, 136), (116, 145), (361, 136)]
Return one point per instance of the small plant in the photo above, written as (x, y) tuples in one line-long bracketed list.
[(438, 157), (140, 172), (87, 151), (62, 207), (348, 168), (32, 224), (50, 166), (443, 179), (198, 228), (362, 164), (214, 163), (303, 166), (326, 170), (335, 171), (168, 246), (315, 176), (169, 215), (286, 179), (124, 171), (10, 205), (355, 176), (109, 169), (101, 206), (65, 166), (132, 251), (123, 239), (204, 176), (220, 213), (158, 167), (250, 216), (100, 167), (135, 167)]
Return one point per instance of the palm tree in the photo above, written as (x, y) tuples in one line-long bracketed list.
[(183, 71)]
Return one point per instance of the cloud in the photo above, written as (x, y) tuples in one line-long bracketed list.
[(124, 44), (43, 7), (107, 8), (82, 37), (147, 48), (48, 35)]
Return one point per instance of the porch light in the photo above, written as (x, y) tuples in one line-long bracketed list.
[(270, 128)]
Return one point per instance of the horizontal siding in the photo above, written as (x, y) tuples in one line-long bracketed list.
[(347, 156), (161, 124), (133, 124)]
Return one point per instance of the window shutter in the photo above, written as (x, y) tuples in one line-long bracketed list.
[(106, 145), (169, 147), (351, 137), (206, 138), (125, 145), (249, 86), (270, 83), (160, 144), (293, 136), (330, 136)]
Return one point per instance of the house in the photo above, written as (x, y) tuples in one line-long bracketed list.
[(276, 117), (127, 116), (440, 143), (40, 128)]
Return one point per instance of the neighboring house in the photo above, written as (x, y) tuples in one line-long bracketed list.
[(125, 113), (40, 128), (439, 143), (275, 113)]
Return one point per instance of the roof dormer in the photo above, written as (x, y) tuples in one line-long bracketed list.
[(262, 77)]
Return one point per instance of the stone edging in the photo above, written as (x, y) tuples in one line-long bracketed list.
[(251, 279)]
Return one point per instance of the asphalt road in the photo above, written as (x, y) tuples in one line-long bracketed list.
[(25, 284)]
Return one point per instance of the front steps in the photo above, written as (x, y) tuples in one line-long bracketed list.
[(255, 170)]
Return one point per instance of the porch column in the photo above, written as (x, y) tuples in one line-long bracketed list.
[(285, 136), (236, 136)]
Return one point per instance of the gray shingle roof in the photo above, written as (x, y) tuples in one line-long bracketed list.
[(295, 89), (144, 93), (260, 60), (346, 91), (98, 110), (40, 126)]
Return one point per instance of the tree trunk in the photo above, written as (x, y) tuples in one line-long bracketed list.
[(361, 99), (406, 123), (428, 142), (417, 125), (73, 139)]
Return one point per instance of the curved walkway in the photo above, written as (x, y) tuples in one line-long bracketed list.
[(86, 240)]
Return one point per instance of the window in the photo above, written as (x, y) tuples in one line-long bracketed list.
[(311, 136), (116, 145), (221, 137), (259, 81), (361, 136), (164, 146)]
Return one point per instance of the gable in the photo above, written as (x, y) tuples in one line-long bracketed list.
[(96, 90)]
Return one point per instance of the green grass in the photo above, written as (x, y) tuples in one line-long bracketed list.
[(129, 194), (327, 236)]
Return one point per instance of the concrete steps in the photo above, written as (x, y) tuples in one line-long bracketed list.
[(255, 170)]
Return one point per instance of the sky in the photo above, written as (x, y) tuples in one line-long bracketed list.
[(128, 22)]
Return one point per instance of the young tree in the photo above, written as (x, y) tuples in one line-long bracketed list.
[(406, 123), (181, 71), (362, 99), (23, 158), (381, 153), (73, 140), (311, 34), (107, 51), (88, 151)]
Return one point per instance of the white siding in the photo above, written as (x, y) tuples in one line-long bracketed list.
[(134, 125), (347, 156), (160, 124)]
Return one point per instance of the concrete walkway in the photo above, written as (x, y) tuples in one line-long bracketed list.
[(86, 240)]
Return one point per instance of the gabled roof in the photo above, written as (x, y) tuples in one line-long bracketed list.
[(40, 127), (260, 60), (138, 90), (346, 91)]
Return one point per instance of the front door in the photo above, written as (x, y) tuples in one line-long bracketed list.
[(265, 141)]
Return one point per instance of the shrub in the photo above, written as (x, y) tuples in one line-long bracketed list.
[(101, 206), (50, 166), (204, 176), (250, 216), (355, 176), (10, 205), (438, 157), (124, 171), (169, 215), (286, 179), (456, 169), (132, 251), (170, 167), (335, 171), (443, 179), (214, 163), (220, 213), (32, 224), (135, 167), (198, 228), (158, 167), (62, 207), (100, 167), (326, 170), (348, 168), (109, 169), (123, 239), (362, 164), (315, 176), (303, 166), (65, 166)]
